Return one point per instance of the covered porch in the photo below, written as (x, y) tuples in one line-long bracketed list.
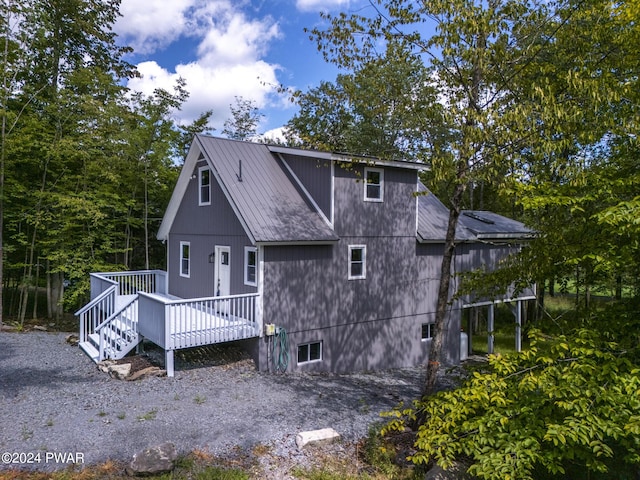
[(128, 307)]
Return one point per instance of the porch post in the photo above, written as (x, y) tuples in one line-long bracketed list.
[(473, 319), (168, 362), (490, 329), (518, 326)]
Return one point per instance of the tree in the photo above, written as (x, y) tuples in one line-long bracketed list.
[(470, 58), (523, 87), (244, 121), (386, 107), (61, 39)]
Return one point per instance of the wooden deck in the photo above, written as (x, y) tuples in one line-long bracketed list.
[(122, 313)]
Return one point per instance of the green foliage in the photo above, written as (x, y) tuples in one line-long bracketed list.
[(570, 409), (385, 108), (243, 124)]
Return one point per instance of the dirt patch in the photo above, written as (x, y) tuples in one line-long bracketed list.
[(221, 356)]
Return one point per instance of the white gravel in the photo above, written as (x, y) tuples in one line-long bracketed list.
[(54, 400)]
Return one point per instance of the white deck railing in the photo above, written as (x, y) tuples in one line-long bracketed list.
[(106, 290), (130, 283), (176, 324), (96, 312)]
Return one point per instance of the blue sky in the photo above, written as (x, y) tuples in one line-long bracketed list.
[(228, 48)]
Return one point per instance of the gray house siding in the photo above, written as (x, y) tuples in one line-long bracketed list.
[(315, 176), (205, 227), (395, 216), (363, 324)]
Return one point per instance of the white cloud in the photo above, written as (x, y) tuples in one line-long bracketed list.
[(229, 47), (320, 5), (149, 25)]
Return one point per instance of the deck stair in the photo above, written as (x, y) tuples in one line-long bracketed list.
[(115, 337), (109, 322)]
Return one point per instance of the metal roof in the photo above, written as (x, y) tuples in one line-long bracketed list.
[(267, 202), (491, 226), (273, 210), (473, 225)]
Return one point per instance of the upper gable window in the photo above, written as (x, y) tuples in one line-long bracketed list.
[(204, 183), (373, 184)]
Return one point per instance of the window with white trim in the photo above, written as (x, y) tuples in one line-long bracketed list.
[(204, 183), (427, 331), (251, 266), (373, 184), (309, 352), (357, 262), (185, 259)]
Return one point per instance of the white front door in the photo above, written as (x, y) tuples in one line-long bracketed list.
[(222, 274)]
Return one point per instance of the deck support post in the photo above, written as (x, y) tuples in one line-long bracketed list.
[(490, 329), (518, 326), (168, 362)]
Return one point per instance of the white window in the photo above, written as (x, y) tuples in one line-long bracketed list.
[(251, 266), (427, 331), (185, 259), (373, 184), (357, 262), (204, 182), (310, 352)]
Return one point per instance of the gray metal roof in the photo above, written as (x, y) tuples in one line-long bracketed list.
[(473, 225), (268, 203), (433, 217), (491, 226)]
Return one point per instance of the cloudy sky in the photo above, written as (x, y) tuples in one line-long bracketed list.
[(228, 48)]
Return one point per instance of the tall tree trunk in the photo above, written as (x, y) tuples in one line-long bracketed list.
[(35, 291), (56, 294), (467, 153), (49, 292), (3, 142), (442, 320)]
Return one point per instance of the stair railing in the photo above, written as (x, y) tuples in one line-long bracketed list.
[(94, 312), (127, 316)]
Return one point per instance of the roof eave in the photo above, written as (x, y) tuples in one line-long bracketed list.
[(337, 157), (284, 243)]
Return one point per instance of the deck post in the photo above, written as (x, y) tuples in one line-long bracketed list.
[(490, 329), (168, 362), (518, 326)]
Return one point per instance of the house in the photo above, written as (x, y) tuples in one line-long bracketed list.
[(312, 261)]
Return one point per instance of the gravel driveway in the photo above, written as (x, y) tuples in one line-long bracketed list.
[(54, 399)]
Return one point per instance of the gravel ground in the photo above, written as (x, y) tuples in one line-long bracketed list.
[(54, 399)]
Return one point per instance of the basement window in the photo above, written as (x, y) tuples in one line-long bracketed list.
[(309, 352), (427, 331)]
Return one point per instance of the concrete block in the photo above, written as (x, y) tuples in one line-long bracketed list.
[(322, 436)]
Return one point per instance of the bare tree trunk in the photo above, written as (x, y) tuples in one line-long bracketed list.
[(35, 292), (3, 141), (57, 291), (49, 293), (442, 320)]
